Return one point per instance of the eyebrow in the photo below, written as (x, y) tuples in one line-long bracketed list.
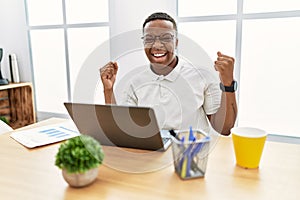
[(152, 34)]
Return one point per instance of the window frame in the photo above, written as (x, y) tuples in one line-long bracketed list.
[(240, 17), (65, 26)]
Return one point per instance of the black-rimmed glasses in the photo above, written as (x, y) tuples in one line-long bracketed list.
[(164, 38)]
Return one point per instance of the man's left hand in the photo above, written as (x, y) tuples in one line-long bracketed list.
[(225, 65)]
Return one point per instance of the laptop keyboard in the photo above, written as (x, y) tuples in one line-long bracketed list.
[(165, 140)]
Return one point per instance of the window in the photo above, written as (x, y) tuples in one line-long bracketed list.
[(80, 47), (62, 35), (265, 46), (207, 35), (188, 8), (87, 11), (256, 6), (50, 74), (47, 12), (269, 75), (262, 35)]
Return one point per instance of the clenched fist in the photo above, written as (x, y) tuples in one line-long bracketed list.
[(225, 65), (108, 75)]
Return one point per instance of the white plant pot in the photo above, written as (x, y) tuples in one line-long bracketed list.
[(80, 179)]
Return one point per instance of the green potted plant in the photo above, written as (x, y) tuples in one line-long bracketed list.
[(79, 159), (2, 118)]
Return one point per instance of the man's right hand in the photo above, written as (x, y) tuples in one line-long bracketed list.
[(108, 75)]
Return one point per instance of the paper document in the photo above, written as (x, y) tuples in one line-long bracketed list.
[(46, 134)]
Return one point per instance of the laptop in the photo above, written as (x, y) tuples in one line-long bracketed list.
[(122, 126)]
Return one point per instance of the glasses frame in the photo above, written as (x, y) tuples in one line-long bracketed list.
[(159, 38)]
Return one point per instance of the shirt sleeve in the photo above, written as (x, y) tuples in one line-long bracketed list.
[(212, 96)]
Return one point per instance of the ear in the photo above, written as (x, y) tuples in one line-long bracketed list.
[(176, 43)]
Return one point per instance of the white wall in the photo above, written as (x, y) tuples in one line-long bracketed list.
[(13, 37)]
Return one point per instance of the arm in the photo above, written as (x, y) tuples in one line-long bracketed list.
[(108, 75), (224, 119)]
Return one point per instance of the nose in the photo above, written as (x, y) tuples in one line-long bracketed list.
[(157, 42)]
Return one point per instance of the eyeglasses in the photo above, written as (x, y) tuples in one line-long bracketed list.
[(165, 38)]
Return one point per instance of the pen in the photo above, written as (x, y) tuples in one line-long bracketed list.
[(195, 151), (189, 152), (172, 132), (181, 147), (191, 134), (183, 161), (200, 145)]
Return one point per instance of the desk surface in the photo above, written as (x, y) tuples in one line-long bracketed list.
[(31, 174)]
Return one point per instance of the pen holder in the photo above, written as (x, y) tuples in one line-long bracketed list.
[(190, 156)]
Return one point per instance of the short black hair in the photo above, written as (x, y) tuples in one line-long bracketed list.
[(162, 16)]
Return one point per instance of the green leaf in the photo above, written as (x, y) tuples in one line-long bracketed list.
[(79, 154)]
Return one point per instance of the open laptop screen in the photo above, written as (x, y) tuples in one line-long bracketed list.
[(123, 126)]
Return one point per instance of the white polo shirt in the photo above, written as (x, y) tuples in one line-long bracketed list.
[(181, 99)]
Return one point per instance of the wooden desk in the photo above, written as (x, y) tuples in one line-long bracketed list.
[(31, 174)]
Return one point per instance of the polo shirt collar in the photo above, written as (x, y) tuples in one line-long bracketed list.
[(172, 76)]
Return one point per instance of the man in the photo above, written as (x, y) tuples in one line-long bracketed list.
[(181, 93)]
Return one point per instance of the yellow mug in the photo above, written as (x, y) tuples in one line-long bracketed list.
[(248, 145)]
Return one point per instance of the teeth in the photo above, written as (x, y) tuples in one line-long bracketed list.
[(159, 54)]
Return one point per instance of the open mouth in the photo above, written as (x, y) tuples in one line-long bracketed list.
[(159, 55)]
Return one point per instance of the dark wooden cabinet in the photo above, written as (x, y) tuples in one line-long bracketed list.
[(17, 104)]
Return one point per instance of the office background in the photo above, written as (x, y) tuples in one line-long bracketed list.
[(52, 39)]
